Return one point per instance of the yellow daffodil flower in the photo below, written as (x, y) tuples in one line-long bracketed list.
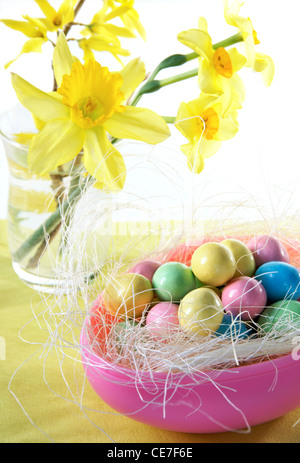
[(57, 19), (259, 62), (129, 16), (100, 25), (34, 29), (95, 43), (217, 67), (100, 35), (205, 122), (87, 106)]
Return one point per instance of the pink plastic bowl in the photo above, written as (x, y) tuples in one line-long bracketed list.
[(206, 402)]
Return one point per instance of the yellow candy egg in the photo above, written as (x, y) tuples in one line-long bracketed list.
[(213, 264), (128, 295), (244, 258), (201, 311)]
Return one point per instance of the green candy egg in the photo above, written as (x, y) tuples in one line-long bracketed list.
[(280, 316), (172, 281)]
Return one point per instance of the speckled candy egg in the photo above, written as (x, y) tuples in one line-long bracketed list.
[(280, 316), (280, 280), (147, 268), (244, 258), (213, 264), (172, 281), (267, 249), (128, 295), (244, 296), (162, 318), (201, 311)]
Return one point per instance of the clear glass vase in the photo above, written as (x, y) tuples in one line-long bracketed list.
[(36, 205)]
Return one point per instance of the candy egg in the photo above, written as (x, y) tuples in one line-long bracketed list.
[(244, 258), (234, 328), (267, 249), (280, 280), (201, 311), (128, 294), (162, 318), (147, 268), (172, 281), (244, 296), (280, 316), (213, 264)]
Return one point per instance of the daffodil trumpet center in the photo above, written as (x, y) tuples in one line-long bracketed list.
[(208, 123), (92, 93), (92, 108), (222, 62)]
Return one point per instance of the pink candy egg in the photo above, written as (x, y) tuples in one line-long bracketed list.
[(147, 268), (245, 296), (268, 249), (162, 318)]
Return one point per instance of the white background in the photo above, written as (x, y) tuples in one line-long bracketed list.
[(267, 147)]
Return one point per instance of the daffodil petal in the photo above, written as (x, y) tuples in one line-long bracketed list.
[(103, 161), (228, 128), (43, 105), (138, 124), (133, 74), (237, 59), (195, 161), (265, 65), (209, 81), (202, 24), (119, 31), (197, 40), (97, 44), (208, 148), (62, 59), (119, 11), (186, 122), (47, 9), (31, 45), (58, 142), (38, 24), (132, 21), (22, 26), (66, 11)]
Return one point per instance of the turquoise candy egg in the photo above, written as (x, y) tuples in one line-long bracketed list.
[(172, 281), (280, 280), (234, 327)]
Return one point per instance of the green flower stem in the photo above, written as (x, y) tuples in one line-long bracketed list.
[(47, 227), (177, 78), (229, 41), (172, 61)]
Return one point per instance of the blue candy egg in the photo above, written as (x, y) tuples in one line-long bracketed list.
[(280, 280), (233, 327)]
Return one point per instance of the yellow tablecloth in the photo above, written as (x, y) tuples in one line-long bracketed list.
[(36, 406)]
